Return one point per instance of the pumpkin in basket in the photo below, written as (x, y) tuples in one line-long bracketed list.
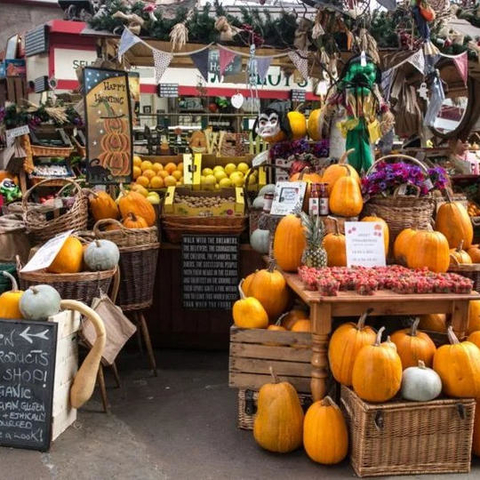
[(69, 259), (383, 223), (459, 256), (134, 221), (101, 255), (289, 243), (10, 300), (336, 247), (346, 197), (133, 202), (474, 253), (339, 170), (428, 249), (453, 221), (102, 205), (473, 316), (402, 245)]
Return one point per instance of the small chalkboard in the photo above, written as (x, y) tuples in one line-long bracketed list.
[(298, 95), (36, 41), (27, 372), (168, 90), (209, 271)]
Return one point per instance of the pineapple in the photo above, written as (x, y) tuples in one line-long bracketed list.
[(314, 254)]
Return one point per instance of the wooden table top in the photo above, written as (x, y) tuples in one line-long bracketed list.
[(294, 282)]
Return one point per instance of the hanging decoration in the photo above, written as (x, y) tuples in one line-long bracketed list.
[(418, 61), (127, 41), (263, 64), (437, 96), (227, 31), (226, 57), (302, 42), (300, 60), (161, 61), (200, 60), (461, 62)]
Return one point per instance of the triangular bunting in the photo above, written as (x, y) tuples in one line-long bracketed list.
[(226, 58), (387, 77), (263, 64), (461, 62), (161, 61), (418, 61), (390, 5), (200, 60), (127, 41), (300, 60)]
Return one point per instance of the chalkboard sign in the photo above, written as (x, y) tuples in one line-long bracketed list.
[(209, 271), (298, 95), (168, 90), (27, 372), (36, 41)]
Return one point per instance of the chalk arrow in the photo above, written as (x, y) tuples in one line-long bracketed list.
[(28, 336)]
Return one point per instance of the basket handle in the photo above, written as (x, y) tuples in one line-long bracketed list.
[(415, 187), (265, 165), (107, 221), (398, 155)]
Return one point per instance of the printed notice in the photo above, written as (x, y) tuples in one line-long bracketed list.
[(365, 244), (288, 196)]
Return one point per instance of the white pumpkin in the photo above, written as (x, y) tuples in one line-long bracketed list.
[(40, 302), (420, 384), (269, 188), (258, 203), (101, 255), (260, 240)]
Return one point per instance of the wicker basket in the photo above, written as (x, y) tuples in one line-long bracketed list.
[(401, 211), (407, 438), (125, 237), (471, 271), (74, 219), (247, 407), (83, 286), (41, 151)]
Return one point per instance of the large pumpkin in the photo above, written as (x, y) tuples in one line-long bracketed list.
[(325, 435), (278, 426), (435, 322), (473, 316), (346, 197), (289, 243), (298, 125), (413, 346), (133, 202), (383, 223), (10, 300), (336, 247), (248, 312), (347, 340), (453, 221), (377, 371), (458, 365), (339, 170), (402, 245), (474, 253), (102, 205), (270, 289), (428, 249), (314, 124), (69, 259), (459, 256)]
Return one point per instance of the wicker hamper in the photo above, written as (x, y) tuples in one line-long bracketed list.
[(400, 438)]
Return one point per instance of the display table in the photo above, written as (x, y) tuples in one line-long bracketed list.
[(383, 302)]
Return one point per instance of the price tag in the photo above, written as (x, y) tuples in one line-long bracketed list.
[(16, 132), (365, 244)]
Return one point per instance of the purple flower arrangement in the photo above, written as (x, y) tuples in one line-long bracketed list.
[(387, 177), (298, 147)]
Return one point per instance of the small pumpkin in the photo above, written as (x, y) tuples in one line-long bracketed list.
[(346, 197), (290, 318), (134, 221), (133, 202), (336, 247), (435, 322), (474, 253), (101, 255), (40, 302), (10, 300), (386, 231), (314, 124), (302, 325), (269, 188), (339, 170), (458, 365), (428, 249), (69, 259), (453, 221), (289, 243), (270, 289), (473, 316), (413, 346), (278, 426), (458, 256), (421, 384), (260, 240), (347, 340), (248, 312), (298, 125), (325, 435), (402, 245), (258, 203), (247, 281), (377, 371), (102, 205)]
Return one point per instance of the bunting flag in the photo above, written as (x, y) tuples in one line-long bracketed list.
[(263, 64), (161, 61), (300, 60), (461, 62), (390, 5), (387, 77), (418, 61), (127, 41), (226, 58), (200, 60)]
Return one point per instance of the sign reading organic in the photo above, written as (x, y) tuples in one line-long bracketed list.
[(365, 244), (109, 127)]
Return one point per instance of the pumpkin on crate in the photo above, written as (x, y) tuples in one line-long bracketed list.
[(134, 221), (69, 259), (383, 223), (102, 205), (377, 371), (248, 312), (339, 170), (453, 221), (40, 302), (473, 316), (325, 435), (421, 384), (101, 255), (278, 426), (289, 319), (435, 322), (458, 256), (302, 325), (346, 197), (413, 346), (347, 340), (247, 281), (289, 243), (336, 247), (402, 245), (133, 202), (428, 249), (458, 365), (474, 253), (10, 300)]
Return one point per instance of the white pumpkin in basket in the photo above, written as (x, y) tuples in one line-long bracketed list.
[(420, 384), (101, 255)]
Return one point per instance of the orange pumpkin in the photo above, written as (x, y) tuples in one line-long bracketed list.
[(336, 247), (133, 202), (290, 318), (338, 170), (458, 256), (346, 197), (435, 322), (402, 245), (303, 325), (474, 253), (289, 243), (134, 221), (69, 259), (473, 316), (383, 223), (247, 282), (10, 300), (454, 222), (413, 346), (428, 249), (102, 205)]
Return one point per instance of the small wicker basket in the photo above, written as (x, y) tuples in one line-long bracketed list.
[(471, 271)]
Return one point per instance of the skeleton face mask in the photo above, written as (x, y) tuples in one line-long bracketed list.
[(268, 125)]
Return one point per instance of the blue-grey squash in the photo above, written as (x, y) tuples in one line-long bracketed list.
[(101, 255), (40, 302)]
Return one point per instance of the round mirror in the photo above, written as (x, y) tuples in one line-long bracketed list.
[(451, 114)]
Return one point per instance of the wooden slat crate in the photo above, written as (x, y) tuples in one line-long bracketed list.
[(254, 351)]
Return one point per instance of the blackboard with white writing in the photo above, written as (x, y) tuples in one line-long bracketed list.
[(209, 271), (27, 371)]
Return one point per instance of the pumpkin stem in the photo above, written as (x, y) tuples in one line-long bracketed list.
[(389, 340), (414, 328), (460, 246), (12, 279), (378, 340), (132, 216), (452, 338), (278, 323), (363, 317), (274, 376), (328, 402), (343, 158), (421, 364), (335, 223), (271, 265), (97, 243), (34, 290), (240, 290)]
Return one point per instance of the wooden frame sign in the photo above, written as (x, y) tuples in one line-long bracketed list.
[(109, 126)]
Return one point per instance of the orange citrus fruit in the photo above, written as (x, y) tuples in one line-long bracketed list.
[(137, 171), (180, 182), (177, 175), (143, 181), (180, 167), (137, 161), (170, 181), (156, 182), (162, 173), (156, 167), (146, 164), (149, 173), (170, 167)]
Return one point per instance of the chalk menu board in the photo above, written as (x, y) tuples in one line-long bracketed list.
[(298, 95), (27, 370), (209, 271), (168, 90)]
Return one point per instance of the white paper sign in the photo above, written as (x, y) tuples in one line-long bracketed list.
[(16, 132), (365, 244), (288, 195), (260, 159), (45, 255)]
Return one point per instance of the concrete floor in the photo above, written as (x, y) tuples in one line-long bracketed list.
[(180, 425)]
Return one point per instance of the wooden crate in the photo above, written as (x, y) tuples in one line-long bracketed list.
[(254, 351)]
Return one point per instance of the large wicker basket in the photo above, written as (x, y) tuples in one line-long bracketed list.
[(125, 237), (42, 229), (408, 438)]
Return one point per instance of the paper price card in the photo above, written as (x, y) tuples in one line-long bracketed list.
[(365, 244)]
